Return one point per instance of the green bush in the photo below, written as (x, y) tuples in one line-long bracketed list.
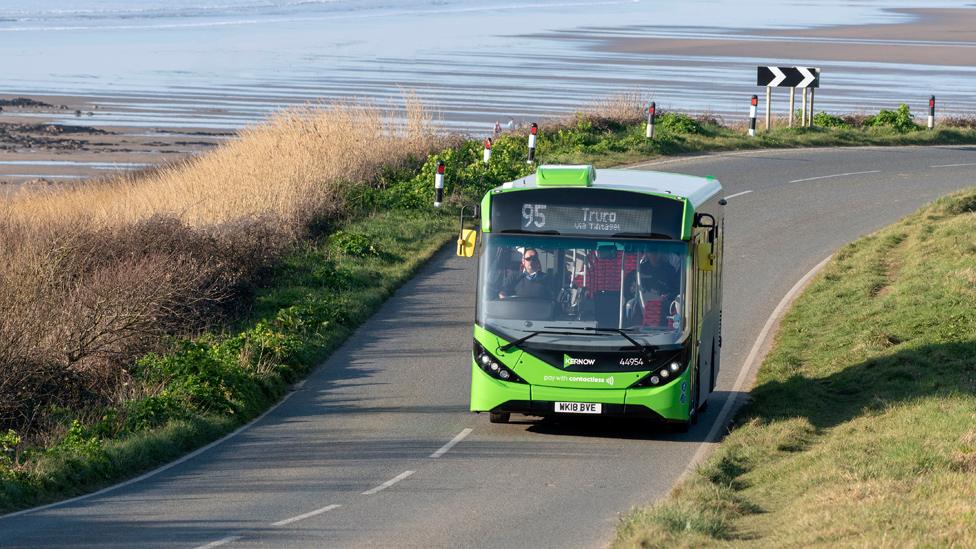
[(199, 376), (354, 244), (825, 120), (79, 443), (901, 120), (9, 442), (466, 176), (676, 122)]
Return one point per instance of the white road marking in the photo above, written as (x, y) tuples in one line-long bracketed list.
[(388, 483), (219, 542), (833, 175), (749, 367), (460, 436), (953, 165), (692, 157), (737, 194), (306, 515)]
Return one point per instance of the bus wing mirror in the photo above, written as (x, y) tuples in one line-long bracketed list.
[(705, 258), (466, 242)]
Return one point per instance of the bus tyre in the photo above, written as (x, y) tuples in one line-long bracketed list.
[(499, 417)]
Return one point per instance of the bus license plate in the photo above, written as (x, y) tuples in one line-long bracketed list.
[(579, 407)]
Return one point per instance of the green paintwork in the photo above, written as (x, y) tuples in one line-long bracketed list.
[(688, 219), (537, 372), (558, 394), (488, 393), (486, 213), (665, 400), (565, 176)]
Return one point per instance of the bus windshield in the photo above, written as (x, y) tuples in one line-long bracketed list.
[(560, 285)]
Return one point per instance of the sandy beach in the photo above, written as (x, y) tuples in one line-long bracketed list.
[(62, 139), (938, 37), (38, 154)]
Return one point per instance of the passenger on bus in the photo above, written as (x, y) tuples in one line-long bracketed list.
[(659, 273), (531, 282)]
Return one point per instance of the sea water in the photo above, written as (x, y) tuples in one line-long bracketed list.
[(229, 63)]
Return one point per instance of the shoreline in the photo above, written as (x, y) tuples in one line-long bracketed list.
[(935, 36), (73, 138)]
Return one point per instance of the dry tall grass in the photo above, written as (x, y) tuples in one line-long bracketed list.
[(290, 167), (617, 110), (91, 277)]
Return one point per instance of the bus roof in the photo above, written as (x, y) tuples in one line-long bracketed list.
[(697, 190)]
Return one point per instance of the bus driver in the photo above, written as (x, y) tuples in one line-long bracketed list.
[(531, 282)]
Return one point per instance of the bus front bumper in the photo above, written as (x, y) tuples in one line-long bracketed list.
[(666, 403)]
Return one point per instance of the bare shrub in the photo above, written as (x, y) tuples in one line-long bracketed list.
[(957, 121), (82, 304), (608, 113)]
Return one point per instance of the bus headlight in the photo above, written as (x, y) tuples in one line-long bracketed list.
[(664, 370), (492, 366)]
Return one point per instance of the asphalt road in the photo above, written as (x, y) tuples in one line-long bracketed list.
[(346, 460)]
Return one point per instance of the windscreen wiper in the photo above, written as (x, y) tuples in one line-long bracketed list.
[(522, 340), (648, 350)]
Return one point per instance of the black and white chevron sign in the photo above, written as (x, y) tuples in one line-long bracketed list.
[(788, 77)]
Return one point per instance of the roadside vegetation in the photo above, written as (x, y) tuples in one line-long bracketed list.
[(146, 315), (861, 430)]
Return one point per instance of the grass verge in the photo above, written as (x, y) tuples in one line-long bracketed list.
[(861, 430)]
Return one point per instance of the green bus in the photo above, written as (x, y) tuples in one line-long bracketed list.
[(599, 294)]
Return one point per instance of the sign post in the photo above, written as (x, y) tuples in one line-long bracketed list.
[(811, 108), (803, 113), (789, 77), (792, 104), (769, 98)]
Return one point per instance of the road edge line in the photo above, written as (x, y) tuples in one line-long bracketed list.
[(750, 368), (161, 468)]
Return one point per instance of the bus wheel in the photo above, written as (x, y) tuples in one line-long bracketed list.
[(499, 417)]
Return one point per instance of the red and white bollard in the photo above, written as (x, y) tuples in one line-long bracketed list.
[(533, 130), (752, 115), (487, 153), (650, 120), (439, 184), (931, 112)]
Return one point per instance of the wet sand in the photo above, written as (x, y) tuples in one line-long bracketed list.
[(35, 153), (866, 67), (938, 37)]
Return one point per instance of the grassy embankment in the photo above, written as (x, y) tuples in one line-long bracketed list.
[(147, 315), (861, 430)]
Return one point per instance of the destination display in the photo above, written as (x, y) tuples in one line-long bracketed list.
[(587, 212), (588, 220)]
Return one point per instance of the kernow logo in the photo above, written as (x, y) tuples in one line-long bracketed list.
[(570, 361)]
